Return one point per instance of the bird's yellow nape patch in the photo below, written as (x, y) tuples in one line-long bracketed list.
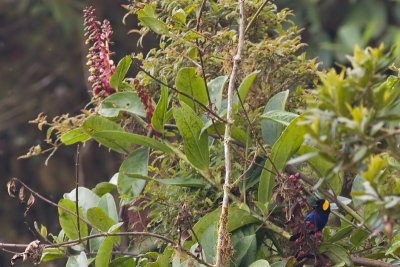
[(325, 206)]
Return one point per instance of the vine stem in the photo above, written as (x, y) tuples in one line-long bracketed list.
[(223, 242)]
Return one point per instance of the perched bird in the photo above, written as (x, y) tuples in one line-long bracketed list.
[(318, 217)]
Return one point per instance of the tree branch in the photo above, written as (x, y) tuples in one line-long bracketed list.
[(370, 262), (223, 243)]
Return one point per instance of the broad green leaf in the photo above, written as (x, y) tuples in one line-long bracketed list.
[(50, 254), (357, 236), (241, 245), (236, 219), (103, 188), (86, 198), (135, 163), (122, 101), (68, 221), (236, 133), (342, 233), (260, 263), (118, 76), (279, 116), (149, 19), (195, 143), (124, 142), (104, 253), (160, 113), (99, 219), (336, 253), (107, 203), (77, 261), (96, 123), (216, 87), (74, 136), (125, 261), (188, 82), (106, 247), (246, 85), (208, 241), (287, 144), (178, 181), (324, 168), (271, 130)]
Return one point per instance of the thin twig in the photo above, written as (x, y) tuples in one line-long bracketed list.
[(53, 203), (163, 238), (76, 191), (370, 262), (204, 107), (223, 243), (256, 15)]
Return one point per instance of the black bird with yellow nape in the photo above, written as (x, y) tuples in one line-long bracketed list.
[(318, 217)]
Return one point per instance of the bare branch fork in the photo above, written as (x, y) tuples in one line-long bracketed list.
[(223, 242)]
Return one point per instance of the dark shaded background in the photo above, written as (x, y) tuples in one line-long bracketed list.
[(42, 69)]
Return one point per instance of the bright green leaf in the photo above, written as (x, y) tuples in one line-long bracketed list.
[(260, 263), (50, 254), (195, 143), (77, 261), (103, 188), (118, 76), (160, 113), (270, 129), (68, 221), (188, 82), (135, 163), (336, 253), (279, 116), (99, 219), (74, 136), (107, 203), (122, 101), (149, 19), (87, 198), (287, 144), (246, 85), (216, 88)]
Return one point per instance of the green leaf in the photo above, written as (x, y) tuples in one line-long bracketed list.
[(260, 263), (87, 198), (123, 101), (241, 245), (50, 254), (342, 233), (135, 163), (279, 116), (245, 85), (74, 136), (125, 261), (216, 87), (185, 182), (195, 143), (160, 113), (149, 19), (96, 123), (77, 261), (187, 81), (208, 241), (358, 236), (287, 144), (336, 253), (99, 219), (324, 169), (103, 188), (104, 253), (107, 203), (118, 76), (68, 221), (123, 142), (236, 219), (271, 130)]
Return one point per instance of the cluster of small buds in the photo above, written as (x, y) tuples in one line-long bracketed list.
[(293, 180), (101, 67), (145, 99)]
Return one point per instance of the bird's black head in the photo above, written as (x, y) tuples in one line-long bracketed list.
[(322, 205)]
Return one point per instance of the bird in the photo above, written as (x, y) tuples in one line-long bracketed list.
[(318, 216)]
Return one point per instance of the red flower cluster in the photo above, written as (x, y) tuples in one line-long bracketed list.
[(145, 99), (101, 66)]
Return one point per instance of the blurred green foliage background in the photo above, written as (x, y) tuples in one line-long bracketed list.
[(42, 69)]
